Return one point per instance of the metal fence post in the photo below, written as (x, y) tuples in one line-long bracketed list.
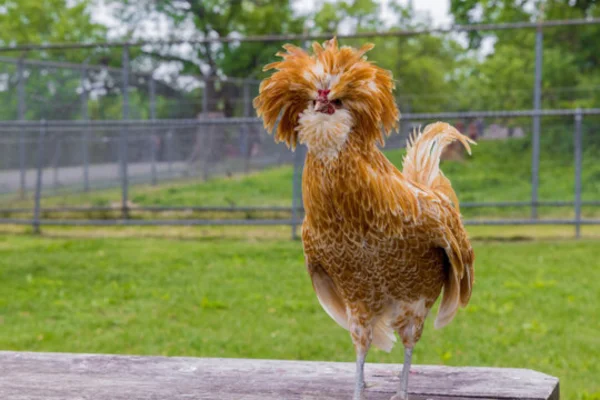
[(153, 144), (297, 189), (245, 127), (123, 139), (21, 116), (38, 180), (205, 131), (537, 105), (125, 77), (85, 139), (578, 168)]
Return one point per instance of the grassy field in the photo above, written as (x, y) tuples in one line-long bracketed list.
[(497, 171), (535, 303)]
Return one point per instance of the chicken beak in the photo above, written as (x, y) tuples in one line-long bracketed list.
[(321, 106), (324, 107)]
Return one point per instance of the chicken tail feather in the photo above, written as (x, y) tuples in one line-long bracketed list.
[(424, 151), (459, 282)]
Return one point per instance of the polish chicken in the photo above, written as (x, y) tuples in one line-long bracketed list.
[(380, 244)]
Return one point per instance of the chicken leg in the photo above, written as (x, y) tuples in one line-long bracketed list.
[(402, 393), (359, 384), (361, 332)]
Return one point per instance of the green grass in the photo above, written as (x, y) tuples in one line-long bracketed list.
[(535, 304), (497, 171)]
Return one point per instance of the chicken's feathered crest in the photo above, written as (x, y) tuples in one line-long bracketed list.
[(364, 88)]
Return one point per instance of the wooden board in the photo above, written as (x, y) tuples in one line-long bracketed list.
[(54, 376)]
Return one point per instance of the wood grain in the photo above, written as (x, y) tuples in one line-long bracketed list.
[(53, 376)]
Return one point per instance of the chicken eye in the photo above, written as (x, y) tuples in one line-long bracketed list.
[(337, 103)]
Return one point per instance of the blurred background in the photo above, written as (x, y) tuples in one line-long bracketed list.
[(139, 101), (127, 130)]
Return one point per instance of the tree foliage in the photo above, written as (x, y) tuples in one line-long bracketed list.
[(437, 72), (195, 19), (415, 62), (49, 21), (571, 54)]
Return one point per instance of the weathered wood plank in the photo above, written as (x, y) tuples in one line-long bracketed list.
[(54, 376)]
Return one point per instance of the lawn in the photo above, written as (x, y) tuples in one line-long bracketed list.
[(497, 171), (535, 303)]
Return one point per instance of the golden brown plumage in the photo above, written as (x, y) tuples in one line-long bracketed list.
[(380, 244)]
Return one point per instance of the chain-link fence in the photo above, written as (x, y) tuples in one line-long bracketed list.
[(80, 156), (205, 172)]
